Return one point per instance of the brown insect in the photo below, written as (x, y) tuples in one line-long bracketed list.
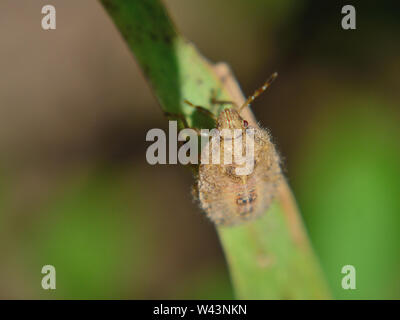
[(226, 197)]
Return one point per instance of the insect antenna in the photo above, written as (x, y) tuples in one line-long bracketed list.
[(258, 91)]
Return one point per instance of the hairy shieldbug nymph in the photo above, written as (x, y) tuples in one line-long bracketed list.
[(226, 197)]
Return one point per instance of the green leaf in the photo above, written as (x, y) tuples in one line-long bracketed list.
[(270, 257)]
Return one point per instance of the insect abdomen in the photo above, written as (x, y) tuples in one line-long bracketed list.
[(246, 203)]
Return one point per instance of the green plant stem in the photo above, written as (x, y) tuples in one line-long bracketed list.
[(270, 258)]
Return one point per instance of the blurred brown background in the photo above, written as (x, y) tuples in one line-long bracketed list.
[(76, 190)]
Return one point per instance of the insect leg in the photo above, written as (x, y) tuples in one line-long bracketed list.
[(184, 121), (179, 117), (214, 100), (202, 109)]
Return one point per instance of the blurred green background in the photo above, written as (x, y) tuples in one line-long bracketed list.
[(76, 191)]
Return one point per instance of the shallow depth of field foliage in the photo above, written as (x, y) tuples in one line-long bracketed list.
[(75, 188)]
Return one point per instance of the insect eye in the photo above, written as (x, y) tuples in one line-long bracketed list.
[(245, 123)]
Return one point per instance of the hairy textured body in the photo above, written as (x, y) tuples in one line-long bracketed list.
[(230, 199)]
